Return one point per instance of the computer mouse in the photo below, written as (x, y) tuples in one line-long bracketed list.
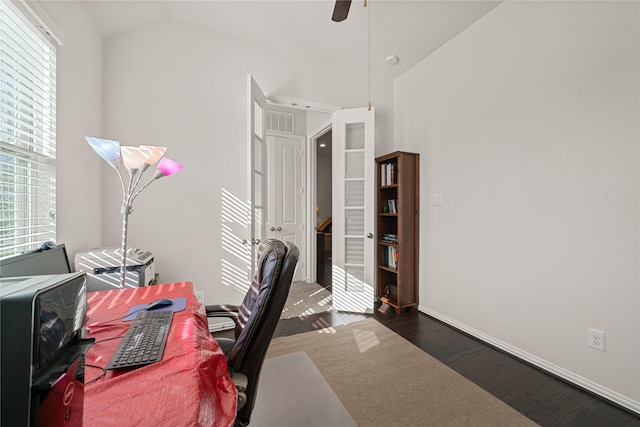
[(162, 302)]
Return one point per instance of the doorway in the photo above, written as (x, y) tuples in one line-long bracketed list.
[(347, 226), (323, 208)]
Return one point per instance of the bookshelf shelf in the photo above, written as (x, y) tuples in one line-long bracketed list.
[(390, 301), (397, 228), (388, 244)]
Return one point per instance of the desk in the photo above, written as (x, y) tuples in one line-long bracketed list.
[(190, 386)]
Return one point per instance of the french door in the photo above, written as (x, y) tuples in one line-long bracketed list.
[(353, 242), (257, 167)]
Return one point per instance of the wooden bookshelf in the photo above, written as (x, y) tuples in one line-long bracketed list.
[(398, 181)]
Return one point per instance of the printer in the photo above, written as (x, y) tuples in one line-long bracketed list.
[(102, 268)]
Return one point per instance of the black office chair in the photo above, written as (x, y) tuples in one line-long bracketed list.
[(256, 319)]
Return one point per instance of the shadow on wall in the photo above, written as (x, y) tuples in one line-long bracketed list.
[(236, 260)]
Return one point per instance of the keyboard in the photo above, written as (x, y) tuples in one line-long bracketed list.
[(144, 341)]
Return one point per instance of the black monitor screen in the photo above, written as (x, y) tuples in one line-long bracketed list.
[(36, 263), (61, 313)]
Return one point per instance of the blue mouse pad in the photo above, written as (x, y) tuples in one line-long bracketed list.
[(179, 304)]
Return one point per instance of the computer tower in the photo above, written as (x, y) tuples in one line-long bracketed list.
[(60, 404), (42, 349)]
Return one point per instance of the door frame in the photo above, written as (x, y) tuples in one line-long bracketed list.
[(310, 156)]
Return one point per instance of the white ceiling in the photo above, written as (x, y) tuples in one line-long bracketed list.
[(409, 29)]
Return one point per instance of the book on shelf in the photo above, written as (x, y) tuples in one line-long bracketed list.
[(391, 257), (388, 172), (389, 238), (393, 205)]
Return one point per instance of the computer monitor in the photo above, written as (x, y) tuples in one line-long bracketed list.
[(48, 259)]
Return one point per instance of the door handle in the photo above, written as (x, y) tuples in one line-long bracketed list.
[(370, 235), (272, 229), (253, 242), (279, 228)]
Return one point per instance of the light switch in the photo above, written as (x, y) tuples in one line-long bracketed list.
[(437, 200)]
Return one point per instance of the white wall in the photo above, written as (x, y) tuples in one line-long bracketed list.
[(79, 113), (185, 87), (527, 124)]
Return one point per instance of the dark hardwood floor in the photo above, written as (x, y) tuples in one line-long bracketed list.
[(543, 398)]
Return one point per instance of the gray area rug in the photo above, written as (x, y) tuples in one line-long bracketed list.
[(384, 380), (306, 299)]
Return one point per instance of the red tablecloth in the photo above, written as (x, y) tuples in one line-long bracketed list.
[(190, 386)]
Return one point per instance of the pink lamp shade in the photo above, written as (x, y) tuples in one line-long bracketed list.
[(155, 153), (133, 157), (167, 167), (107, 149)]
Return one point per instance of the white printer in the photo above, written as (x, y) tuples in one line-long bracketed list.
[(102, 267)]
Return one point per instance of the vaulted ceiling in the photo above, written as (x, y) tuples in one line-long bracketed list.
[(411, 30)]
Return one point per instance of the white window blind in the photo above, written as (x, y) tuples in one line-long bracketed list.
[(27, 133)]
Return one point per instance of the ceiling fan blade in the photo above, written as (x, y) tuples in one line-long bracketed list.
[(341, 10)]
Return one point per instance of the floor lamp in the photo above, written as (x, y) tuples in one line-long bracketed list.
[(136, 161)]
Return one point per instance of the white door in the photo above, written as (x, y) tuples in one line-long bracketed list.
[(353, 210), (257, 182), (285, 219)]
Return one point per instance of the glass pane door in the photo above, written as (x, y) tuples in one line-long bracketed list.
[(353, 210)]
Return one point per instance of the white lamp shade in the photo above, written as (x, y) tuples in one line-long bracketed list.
[(133, 157), (108, 149), (155, 153)]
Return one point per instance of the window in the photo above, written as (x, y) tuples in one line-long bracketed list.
[(27, 133), (278, 121)]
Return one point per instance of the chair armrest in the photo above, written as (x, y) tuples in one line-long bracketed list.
[(226, 310)]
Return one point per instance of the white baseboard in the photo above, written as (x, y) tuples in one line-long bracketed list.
[(565, 374)]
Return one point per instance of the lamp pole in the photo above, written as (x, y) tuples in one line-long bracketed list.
[(126, 210)]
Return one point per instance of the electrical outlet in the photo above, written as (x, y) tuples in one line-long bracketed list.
[(595, 339), (437, 200)]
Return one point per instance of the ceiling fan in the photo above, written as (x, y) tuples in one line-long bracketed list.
[(341, 10)]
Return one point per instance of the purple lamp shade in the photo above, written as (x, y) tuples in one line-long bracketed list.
[(107, 149), (167, 167)]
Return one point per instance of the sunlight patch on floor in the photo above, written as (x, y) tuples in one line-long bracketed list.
[(324, 327), (365, 339)]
